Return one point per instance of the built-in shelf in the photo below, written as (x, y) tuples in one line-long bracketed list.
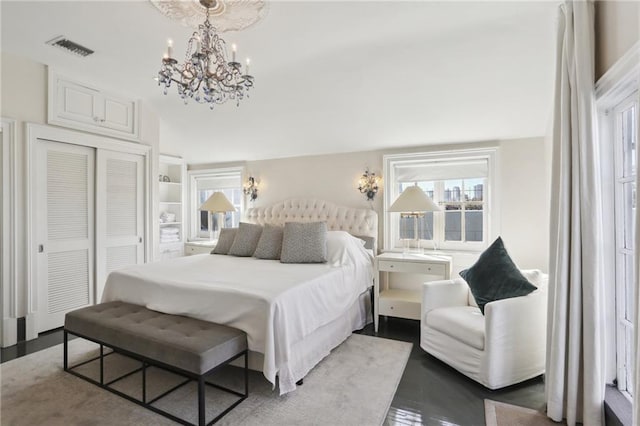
[(170, 203)]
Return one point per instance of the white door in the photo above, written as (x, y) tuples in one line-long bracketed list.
[(120, 218), (63, 223)]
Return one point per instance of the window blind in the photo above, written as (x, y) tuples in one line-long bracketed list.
[(441, 170)]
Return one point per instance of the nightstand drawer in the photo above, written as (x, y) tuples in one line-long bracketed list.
[(400, 308), (411, 267)]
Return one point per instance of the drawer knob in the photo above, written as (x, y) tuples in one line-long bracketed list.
[(391, 266)]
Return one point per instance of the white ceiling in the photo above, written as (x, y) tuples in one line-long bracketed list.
[(333, 76)]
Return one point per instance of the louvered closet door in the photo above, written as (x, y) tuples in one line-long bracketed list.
[(120, 213), (64, 226)]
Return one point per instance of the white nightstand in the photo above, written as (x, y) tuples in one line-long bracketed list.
[(199, 247), (401, 302)]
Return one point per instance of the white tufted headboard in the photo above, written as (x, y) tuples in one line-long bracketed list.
[(357, 222)]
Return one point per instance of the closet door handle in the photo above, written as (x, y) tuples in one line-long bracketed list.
[(139, 239), (40, 248)]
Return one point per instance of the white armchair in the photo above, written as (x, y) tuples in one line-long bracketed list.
[(506, 345)]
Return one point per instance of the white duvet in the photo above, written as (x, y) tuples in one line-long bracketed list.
[(276, 304)]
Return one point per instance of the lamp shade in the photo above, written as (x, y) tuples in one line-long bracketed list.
[(217, 203), (413, 200)]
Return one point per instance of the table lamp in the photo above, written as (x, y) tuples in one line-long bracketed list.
[(217, 203), (413, 202)]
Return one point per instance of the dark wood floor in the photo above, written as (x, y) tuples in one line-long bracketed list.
[(430, 392)]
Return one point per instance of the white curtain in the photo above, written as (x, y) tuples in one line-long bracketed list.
[(636, 324), (575, 357)]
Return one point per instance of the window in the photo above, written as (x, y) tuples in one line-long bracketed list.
[(203, 183), (458, 181), (624, 118)]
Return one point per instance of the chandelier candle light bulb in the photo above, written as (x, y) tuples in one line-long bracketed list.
[(169, 49)]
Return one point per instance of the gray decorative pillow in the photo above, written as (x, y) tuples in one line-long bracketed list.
[(225, 240), (270, 243), (304, 243), (246, 240)]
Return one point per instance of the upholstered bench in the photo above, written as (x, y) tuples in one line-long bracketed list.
[(189, 347)]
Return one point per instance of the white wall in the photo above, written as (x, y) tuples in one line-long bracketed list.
[(522, 182), (617, 29), (23, 97), (525, 196)]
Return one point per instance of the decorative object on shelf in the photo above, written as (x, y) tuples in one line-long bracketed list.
[(251, 188), (228, 15), (166, 178), (206, 76), (160, 178), (217, 203), (413, 202), (368, 184)]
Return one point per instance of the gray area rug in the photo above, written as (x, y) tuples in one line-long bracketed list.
[(354, 385)]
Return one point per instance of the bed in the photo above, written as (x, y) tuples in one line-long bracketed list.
[(293, 314)]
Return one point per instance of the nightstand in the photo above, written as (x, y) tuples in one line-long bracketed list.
[(199, 247), (404, 303)]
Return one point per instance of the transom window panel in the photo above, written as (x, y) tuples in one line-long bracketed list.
[(458, 182)]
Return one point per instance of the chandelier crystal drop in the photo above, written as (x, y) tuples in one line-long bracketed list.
[(206, 76)]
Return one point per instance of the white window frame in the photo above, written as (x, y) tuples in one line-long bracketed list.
[(617, 89), (392, 241), (624, 348), (193, 176)]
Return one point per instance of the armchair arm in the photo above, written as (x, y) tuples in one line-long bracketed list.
[(517, 326), (445, 293)]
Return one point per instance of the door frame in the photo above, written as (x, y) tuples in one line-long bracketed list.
[(8, 282), (35, 132)]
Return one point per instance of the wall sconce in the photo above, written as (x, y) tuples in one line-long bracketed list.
[(368, 184), (251, 189)]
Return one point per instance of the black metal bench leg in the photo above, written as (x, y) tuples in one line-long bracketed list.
[(144, 382), (201, 412), (66, 351), (102, 364), (246, 374)]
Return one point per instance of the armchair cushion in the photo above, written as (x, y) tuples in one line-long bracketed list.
[(463, 323), (494, 276)]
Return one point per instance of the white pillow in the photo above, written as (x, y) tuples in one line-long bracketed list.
[(345, 249)]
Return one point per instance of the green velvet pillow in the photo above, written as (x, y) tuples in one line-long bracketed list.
[(494, 276)]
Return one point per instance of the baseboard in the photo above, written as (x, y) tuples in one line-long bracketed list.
[(9, 332), (31, 331)]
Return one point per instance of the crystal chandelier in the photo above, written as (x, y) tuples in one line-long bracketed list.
[(206, 76)]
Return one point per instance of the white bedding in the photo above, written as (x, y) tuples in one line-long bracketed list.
[(276, 304)]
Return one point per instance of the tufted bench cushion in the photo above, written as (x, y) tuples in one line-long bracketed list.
[(186, 343)]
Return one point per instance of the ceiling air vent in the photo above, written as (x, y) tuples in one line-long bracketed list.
[(72, 47)]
